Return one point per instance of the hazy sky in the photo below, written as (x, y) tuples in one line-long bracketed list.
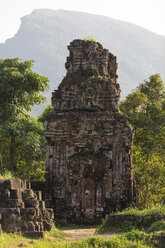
[(146, 13)]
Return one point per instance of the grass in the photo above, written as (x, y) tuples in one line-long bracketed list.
[(18, 240), (75, 226), (155, 210), (11, 240), (54, 239), (130, 237), (150, 220), (96, 242)]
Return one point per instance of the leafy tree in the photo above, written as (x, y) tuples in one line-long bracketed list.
[(145, 108), (47, 111), (20, 89)]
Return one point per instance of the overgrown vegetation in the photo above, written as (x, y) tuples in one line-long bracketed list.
[(151, 219), (88, 38), (154, 210), (146, 229), (22, 143), (133, 239), (18, 240), (7, 175), (145, 108), (129, 235)]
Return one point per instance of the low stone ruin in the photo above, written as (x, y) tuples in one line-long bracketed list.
[(89, 143), (22, 209)]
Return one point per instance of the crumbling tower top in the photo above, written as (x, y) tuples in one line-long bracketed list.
[(91, 80), (92, 57)]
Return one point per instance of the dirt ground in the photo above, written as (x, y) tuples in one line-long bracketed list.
[(77, 234)]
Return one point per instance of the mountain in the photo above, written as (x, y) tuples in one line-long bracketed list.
[(44, 35)]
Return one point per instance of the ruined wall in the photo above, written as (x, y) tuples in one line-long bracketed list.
[(22, 209), (89, 168)]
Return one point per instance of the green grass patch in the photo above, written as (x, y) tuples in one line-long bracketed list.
[(117, 242), (147, 219), (105, 227), (53, 239), (9, 240), (75, 226), (155, 210)]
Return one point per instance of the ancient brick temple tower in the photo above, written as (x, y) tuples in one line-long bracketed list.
[(89, 169)]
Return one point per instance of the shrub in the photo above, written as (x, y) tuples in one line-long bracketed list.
[(157, 226)]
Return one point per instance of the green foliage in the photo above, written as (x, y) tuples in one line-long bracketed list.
[(147, 219), (21, 136), (7, 175), (88, 38), (157, 226), (55, 238), (44, 115), (96, 242), (20, 86), (55, 232), (154, 210), (145, 108)]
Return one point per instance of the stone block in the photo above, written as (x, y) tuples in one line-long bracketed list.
[(10, 214), (47, 225), (27, 226), (24, 184), (51, 213), (31, 203), (30, 226), (21, 210), (10, 184), (34, 234), (39, 195), (16, 194), (11, 227), (27, 213), (42, 204), (28, 193), (4, 195), (14, 204), (37, 226), (39, 215), (39, 186), (41, 226), (28, 185)]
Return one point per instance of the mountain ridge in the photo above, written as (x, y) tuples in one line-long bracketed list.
[(44, 35)]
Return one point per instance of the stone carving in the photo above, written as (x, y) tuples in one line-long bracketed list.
[(22, 209), (89, 144)]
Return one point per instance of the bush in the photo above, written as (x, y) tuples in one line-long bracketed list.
[(157, 226)]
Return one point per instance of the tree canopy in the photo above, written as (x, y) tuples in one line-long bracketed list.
[(145, 108), (20, 89)]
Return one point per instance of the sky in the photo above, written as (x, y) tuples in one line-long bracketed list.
[(145, 13)]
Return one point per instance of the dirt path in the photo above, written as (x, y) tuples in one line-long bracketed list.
[(77, 234)]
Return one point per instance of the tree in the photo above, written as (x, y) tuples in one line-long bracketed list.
[(145, 108), (20, 89), (44, 115)]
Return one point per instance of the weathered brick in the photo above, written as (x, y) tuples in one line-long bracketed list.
[(22, 210), (89, 144)]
